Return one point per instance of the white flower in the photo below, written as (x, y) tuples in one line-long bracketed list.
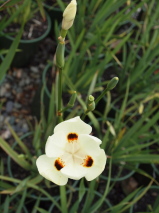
[(72, 153), (69, 15)]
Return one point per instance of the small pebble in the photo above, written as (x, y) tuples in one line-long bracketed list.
[(1, 118), (34, 69), (9, 106), (2, 91), (17, 105), (7, 119), (25, 128), (27, 81), (6, 134), (22, 83)]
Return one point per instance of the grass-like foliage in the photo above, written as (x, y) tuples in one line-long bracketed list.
[(108, 38)]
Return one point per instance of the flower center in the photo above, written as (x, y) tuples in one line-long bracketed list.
[(88, 161), (74, 153), (59, 164), (72, 137)]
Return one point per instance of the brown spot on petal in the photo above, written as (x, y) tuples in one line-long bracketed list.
[(59, 164), (71, 137), (88, 161)]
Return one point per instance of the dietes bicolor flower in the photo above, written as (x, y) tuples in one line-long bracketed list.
[(71, 152)]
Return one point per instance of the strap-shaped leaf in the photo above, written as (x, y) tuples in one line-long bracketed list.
[(14, 155)]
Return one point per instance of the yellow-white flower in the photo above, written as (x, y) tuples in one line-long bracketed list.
[(72, 153), (69, 15)]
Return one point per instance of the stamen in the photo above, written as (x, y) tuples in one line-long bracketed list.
[(88, 161), (59, 164), (72, 137)]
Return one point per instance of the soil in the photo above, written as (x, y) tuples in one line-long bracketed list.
[(33, 29), (18, 90)]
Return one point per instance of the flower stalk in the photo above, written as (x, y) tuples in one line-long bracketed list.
[(112, 83), (68, 19), (59, 113), (71, 102), (90, 106), (63, 199), (67, 22)]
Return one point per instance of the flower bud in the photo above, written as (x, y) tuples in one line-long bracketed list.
[(69, 15), (60, 55), (112, 83), (90, 103)]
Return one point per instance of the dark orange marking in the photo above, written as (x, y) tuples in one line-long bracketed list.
[(88, 161), (59, 164), (71, 137)]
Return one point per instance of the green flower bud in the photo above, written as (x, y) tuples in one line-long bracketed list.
[(90, 99), (112, 83), (90, 103), (60, 61)]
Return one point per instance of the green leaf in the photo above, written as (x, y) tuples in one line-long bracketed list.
[(6, 205), (9, 3), (19, 141), (10, 55), (139, 158), (41, 8), (14, 155), (41, 210), (82, 190), (21, 202)]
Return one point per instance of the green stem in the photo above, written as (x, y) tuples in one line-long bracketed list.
[(59, 114), (84, 114), (63, 199), (101, 96), (65, 108)]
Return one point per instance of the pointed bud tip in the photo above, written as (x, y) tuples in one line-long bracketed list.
[(91, 98), (112, 83), (74, 2), (116, 78), (69, 15)]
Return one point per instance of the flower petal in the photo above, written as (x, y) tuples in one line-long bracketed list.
[(89, 144), (97, 167), (74, 171), (74, 125), (46, 167), (97, 140), (55, 145)]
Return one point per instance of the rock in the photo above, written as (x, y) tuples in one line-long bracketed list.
[(9, 106), (2, 91), (17, 105), (6, 134), (34, 69)]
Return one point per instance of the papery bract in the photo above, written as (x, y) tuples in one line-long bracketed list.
[(72, 153)]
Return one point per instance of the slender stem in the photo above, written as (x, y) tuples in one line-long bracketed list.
[(59, 114), (101, 96), (63, 199), (65, 108), (84, 114)]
